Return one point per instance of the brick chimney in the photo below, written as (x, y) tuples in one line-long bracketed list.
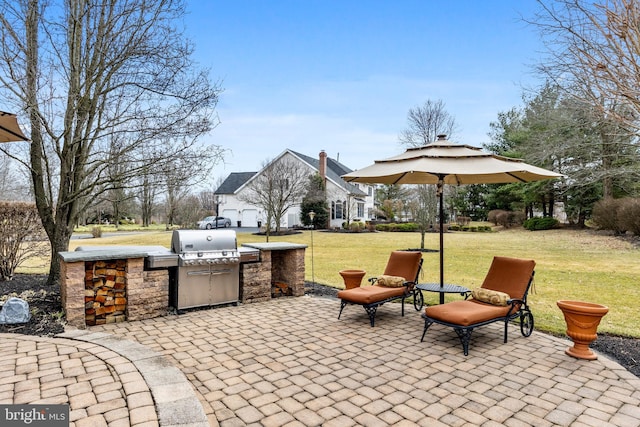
[(322, 169)]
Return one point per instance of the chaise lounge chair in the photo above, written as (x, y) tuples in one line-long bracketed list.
[(502, 298), (398, 282)]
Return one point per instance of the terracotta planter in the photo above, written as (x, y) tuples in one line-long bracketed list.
[(582, 320), (352, 278)]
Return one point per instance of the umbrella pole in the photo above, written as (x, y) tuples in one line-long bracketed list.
[(440, 193)]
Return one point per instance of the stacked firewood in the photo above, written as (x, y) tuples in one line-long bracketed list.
[(105, 295)]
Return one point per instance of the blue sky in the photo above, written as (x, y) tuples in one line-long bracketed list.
[(340, 76)]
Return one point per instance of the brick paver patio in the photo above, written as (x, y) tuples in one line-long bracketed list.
[(291, 362)]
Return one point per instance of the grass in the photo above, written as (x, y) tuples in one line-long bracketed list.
[(570, 264), (110, 228)]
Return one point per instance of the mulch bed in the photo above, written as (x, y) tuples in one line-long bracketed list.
[(47, 317)]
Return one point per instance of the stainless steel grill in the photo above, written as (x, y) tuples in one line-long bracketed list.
[(208, 268)]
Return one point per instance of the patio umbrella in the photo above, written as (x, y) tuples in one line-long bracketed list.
[(444, 162), (9, 129)]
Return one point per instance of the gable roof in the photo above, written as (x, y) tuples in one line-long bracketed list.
[(334, 171), (234, 181)]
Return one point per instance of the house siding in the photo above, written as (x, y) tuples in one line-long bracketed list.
[(337, 189)]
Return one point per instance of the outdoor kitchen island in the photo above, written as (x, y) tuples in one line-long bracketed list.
[(113, 284), (280, 272)]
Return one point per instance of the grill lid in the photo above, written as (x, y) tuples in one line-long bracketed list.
[(185, 241)]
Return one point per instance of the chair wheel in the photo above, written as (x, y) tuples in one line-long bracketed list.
[(526, 323), (418, 299)]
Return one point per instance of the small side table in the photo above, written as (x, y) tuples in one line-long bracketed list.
[(447, 288)]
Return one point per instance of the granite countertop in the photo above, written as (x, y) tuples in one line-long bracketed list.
[(275, 246), (96, 253)]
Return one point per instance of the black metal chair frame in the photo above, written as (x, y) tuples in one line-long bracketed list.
[(371, 309), (519, 308)]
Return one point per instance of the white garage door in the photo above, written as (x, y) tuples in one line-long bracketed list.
[(250, 218), (232, 214)]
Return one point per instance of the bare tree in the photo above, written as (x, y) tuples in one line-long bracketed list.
[(390, 200), (88, 73), (425, 122), (423, 208), (20, 230), (147, 189), (188, 211), (207, 201), (180, 174), (280, 185), (13, 186), (593, 49), (594, 54)]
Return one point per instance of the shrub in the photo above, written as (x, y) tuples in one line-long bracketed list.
[(471, 228), (508, 218), (19, 223), (392, 226), (408, 226), (629, 215), (382, 227), (96, 232), (604, 214), (463, 220), (540, 223), (356, 226), (492, 216)]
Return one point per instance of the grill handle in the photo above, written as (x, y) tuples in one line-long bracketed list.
[(198, 273), (207, 272)]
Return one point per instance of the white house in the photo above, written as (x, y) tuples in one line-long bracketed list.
[(342, 196)]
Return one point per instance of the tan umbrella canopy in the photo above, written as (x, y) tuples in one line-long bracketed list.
[(9, 129), (444, 162)]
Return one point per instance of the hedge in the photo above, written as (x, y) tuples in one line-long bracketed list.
[(540, 223)]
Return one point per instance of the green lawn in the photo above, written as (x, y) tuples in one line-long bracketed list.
[(571, 264), (110, 228)]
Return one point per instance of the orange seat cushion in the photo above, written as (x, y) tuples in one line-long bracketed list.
[(465, 313), (370, 294)]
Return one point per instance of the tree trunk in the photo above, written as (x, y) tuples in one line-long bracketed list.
[(36, 148), (146, 201), (116, 212), (608, 152), (582, 217), (59, 243)]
